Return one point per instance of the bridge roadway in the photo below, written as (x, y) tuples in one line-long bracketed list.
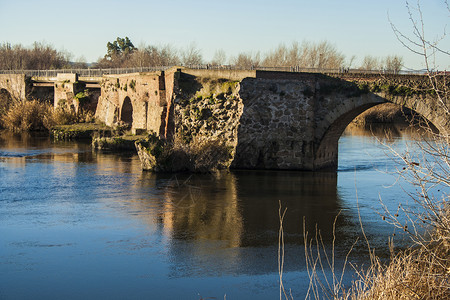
[(271, 119)]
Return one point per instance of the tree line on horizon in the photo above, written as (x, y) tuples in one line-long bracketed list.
[(122, 53)]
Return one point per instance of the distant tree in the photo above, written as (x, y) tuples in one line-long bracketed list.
[(192, 55), (219, 58), (247, 60), (118, 53), (307, 55), (80, 63), (120, 47), (393, 63), (152, 56), (168, 56), (371, 63), (40, 56)]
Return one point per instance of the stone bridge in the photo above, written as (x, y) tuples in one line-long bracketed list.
[(270, 120)]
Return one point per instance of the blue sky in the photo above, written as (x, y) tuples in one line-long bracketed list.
[(355, 27)]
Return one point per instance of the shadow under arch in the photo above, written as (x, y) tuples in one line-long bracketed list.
[(126, 112), (5, 99)]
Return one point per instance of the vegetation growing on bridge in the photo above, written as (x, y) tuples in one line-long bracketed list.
[(204, 104), (392, 86)]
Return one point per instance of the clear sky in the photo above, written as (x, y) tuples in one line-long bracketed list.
[(355, 27)]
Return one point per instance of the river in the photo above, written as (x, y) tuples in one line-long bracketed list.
[(80, 224)]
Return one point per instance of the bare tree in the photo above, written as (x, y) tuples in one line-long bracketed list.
[(393, 63), (423, 270), (219, 58), (307, 55), (371, 63), (40, 56), (247, 60), (192, 55)]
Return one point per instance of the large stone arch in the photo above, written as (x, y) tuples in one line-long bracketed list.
[(126, 112), (331, 128)]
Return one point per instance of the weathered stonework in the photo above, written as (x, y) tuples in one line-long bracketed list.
[(137, 100), (277, 125), (17, 85), (66, 87), (207, 109)]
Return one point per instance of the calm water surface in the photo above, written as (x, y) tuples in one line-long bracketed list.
[(78, 224)]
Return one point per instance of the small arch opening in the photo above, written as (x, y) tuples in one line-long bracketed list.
[(5, 100), (126, 114)]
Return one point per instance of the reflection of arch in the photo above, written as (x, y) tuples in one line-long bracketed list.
[(126, 114)]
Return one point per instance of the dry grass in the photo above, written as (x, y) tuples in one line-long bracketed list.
[(33, 115), (419, 272), (25, 116), (416, 273), (209, 155)]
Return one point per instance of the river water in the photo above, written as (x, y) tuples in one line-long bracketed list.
[(80, 224)]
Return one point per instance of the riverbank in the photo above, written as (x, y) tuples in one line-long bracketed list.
[(383, 113)]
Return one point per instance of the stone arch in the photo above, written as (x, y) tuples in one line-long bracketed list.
[(326, 154), (126, 112)]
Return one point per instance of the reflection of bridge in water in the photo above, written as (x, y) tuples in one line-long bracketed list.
[(279, 120), (220, 221)]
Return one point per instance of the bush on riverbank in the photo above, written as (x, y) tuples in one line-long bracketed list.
[(421, 272), (33, 115), (25, 116)]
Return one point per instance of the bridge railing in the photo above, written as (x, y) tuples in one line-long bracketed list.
[(300, 69), (83, 72), (115, 71)]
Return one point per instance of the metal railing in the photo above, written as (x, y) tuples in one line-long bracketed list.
[(299, 69), (83, 72), (115, 71)]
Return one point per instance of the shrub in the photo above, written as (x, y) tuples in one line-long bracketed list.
[(33, 115), (25, 116)]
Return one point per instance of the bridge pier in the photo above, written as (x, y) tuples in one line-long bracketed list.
[(66, 88)]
